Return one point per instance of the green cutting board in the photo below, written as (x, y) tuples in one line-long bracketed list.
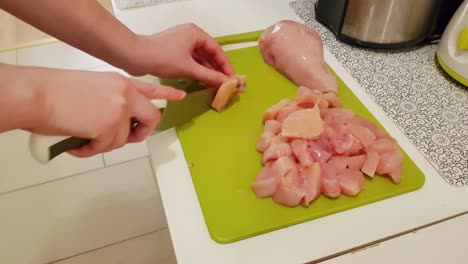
[(220, 149)]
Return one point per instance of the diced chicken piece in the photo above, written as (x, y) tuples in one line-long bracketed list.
[(225, 93), (288, 192), (356, 162), (370, 163), (266, 182), (283, 165), (296, 51), (331, 188), (303, 124), (330, 183), (276, 151), (339, 162), (384, 145), (272, 126), (389, 162), (270, 113), (279, 139), (364, 134), (286, 111), (351, 182), (241, 83), (265, 141), (344, 143), (337, 117), (359, 120), (333, 100), (312, 184), (299, 148), (307, 98), (318, 152), (395, 175)]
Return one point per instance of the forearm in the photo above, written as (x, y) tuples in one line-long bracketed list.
[(84, 24), (21, 106)]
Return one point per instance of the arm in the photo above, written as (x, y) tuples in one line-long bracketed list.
[(19, 104), (83, 24), (86, 104), (184, 51)]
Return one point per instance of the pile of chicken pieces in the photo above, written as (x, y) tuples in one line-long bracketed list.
[(312, 146)]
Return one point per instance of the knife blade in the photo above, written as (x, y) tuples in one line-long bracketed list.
[(173, 113)]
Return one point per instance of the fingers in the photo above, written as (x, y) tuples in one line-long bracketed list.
[(207, 75), (152, 91), (212, 49), (147, 116), (120, 139), (201, 60), (96, 146)]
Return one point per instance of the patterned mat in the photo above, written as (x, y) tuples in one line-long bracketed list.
[(124, 4), (426, 104)]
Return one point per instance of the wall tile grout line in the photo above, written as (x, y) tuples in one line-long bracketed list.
[(109, 245), (71, 175)]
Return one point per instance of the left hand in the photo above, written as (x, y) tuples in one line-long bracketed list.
[(183, 51)]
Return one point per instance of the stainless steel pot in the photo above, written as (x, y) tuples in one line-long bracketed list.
[(386, 23)]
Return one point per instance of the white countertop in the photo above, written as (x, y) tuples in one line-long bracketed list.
[(305, 242)]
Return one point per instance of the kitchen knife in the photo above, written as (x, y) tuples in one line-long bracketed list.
[(196, 102)]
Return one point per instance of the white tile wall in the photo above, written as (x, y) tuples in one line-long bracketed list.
[(57, 55), (8, 57), (19, 169), (153, 248), (78, 214)]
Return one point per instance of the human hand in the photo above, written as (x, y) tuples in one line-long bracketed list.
[(183, 51), (98, 106)]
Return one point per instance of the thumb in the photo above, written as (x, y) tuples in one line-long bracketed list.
[(152, 91), (206, 75)]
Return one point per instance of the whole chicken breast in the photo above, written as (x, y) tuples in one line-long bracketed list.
[(296, 51)]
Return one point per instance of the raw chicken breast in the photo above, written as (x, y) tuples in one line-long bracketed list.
[(276, 151), (303, 124), (273, 126), (351, 182), (356, 162), (308, 98), (283, 165), (311, 185), (389, 162), (339, 162), (318, 152), (301, 152), (330, 182), (227, 91), (284, 113), (296, 51), (266, 182), (271, 112), (311, 146), (370, 163), (289, 192), (265, 141)]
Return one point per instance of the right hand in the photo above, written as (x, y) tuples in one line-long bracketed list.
[(98, 106)]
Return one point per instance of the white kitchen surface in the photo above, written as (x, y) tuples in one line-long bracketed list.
[(108, 209), (442, 243)]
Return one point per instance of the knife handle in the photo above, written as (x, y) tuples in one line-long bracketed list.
[(44, 148)]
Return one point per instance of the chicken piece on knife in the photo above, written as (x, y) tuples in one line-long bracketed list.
[(227, 91), (296, 51)]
